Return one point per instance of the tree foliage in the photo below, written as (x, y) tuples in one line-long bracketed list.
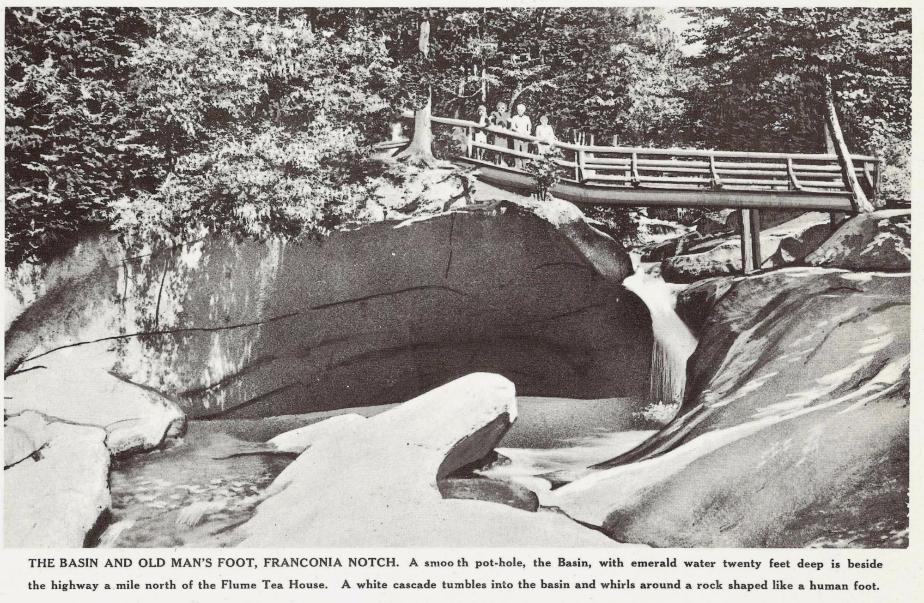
[(262, 122), (164, 122), (70, 144), (865, 51)]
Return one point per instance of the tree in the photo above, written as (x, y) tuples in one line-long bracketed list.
[(420, 149), (262, 120), (71, 148), (815, 64)]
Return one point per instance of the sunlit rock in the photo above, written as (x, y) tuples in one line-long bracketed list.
[(70, 389), (55, 498), (376, 483), (880, 240), (24, 435), (297, 440), (781, 245)]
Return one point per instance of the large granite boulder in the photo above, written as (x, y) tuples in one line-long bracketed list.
[(375, 482), (54, 496), (794, 429), (880, 240), (781, 245), (370, 316)]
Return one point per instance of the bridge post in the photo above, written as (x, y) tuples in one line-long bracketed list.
[(750, 240), (755, 238)]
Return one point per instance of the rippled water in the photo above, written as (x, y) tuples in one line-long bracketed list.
[(195, 492), (188, 495)]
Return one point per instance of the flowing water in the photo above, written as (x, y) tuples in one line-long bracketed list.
[(190, 494), (673, 341)]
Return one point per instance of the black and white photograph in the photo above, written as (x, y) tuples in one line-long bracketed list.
[(599, 277)]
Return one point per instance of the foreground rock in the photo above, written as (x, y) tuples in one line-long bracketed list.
[(376, 483), (781, 245), (371, 316), (880, 240), (64, 420), (54, 496), (794, 430), (66, 389)]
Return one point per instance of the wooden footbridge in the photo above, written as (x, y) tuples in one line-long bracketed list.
[(649, 177)]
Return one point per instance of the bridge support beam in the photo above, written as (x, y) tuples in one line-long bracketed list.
[(750, 240)]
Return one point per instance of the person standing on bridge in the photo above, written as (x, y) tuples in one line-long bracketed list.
[(480, 136), (521, 124), (500, 120), (546, 134)]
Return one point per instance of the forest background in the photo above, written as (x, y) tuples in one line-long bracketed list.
[(159, 123)]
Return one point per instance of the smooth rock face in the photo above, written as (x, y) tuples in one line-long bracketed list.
[(23, 435), (794, 430), (298, 440), (695, 302), (56, 500), (781, 245), (134, 418), (376, 483), (371, 316), (877, 241)]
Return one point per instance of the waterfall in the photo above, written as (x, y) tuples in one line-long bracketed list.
[(673, 341)]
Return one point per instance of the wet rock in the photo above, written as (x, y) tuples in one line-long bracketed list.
[(55, 500), (695, 302), (791, 365), (716, 222), (375, 315), (880, 240), (376, 485), (490, 490)]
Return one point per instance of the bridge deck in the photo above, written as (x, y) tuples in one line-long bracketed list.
[(645, 177), (590, 193)]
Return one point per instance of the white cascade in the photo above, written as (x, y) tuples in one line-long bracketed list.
[(673, 342)]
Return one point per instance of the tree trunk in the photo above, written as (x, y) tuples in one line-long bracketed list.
[(421, 148), (514, 97), (843, 154)]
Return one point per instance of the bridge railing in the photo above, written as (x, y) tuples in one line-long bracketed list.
[(596, 165)]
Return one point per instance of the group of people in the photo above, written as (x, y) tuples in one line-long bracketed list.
[(501, 120)]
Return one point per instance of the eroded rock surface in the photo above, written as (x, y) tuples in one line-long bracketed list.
[(794, 430), (375, 484), (371, 316), (879, 240)]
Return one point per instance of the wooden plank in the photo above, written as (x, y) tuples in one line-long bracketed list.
[(651, 151), (619, 195)]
